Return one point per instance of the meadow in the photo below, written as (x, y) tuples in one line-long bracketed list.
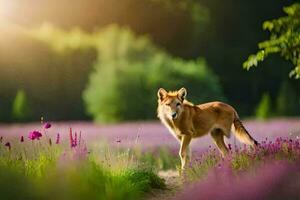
[(79, 160), (93, 70)]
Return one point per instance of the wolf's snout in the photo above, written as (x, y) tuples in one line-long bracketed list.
[(174, 115)]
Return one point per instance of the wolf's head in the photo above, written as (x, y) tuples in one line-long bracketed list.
[(171, 103)]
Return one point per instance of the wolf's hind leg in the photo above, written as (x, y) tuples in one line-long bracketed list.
[(218, 137)]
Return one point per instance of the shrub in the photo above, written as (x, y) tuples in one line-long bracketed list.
[(129, 71)]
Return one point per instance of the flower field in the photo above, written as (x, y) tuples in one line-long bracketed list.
[(91, 89), (79, 160)]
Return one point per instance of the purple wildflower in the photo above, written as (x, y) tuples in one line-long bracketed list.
[(34, 135), (75, 140), (47, 125), (7, 144), (38, 135), (266, 179), (72, 141), (31, 135), (57, 139)]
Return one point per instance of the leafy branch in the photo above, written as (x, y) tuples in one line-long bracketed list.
[(284, 40)]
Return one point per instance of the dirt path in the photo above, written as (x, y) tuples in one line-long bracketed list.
[(173, 182)]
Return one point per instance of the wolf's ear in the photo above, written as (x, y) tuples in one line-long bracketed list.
[(161, 94), (182, 93)]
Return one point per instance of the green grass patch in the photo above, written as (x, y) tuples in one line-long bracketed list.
[(75, 174)]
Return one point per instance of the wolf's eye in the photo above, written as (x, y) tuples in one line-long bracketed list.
[(178, 104)]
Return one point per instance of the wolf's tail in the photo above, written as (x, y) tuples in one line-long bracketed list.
[(241, 133)]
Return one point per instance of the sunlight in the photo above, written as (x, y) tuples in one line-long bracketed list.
[(6, 8), (9, 23)]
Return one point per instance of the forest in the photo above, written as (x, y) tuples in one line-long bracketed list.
[(67, 61)]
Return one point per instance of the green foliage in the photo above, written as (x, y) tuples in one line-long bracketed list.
[(198, 13), (126, 77), (20, 108), (144, 179), (287, 102), (88, 181), (54, 80), (284, 40), (14, 185), (53, 175), (263, 110), (128, 72)]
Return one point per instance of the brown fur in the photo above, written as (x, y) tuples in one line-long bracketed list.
[(187, 121)]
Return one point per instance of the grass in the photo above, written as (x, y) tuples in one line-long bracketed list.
[(199, 168), (159, 158), (144, 180), (39, 169)]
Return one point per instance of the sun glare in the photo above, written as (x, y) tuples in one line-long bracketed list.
[(8, 18), (6, 8)]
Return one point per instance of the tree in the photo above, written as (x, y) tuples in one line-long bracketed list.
[(284, 40), (129, 71)]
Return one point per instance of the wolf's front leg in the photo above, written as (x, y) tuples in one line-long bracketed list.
[(184, 150)]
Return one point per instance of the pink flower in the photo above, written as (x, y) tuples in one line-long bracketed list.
[(38, 135), (47, 125), (34, 135), (31, 135), (73, 142)]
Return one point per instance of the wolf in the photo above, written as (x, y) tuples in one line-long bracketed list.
[(186, 121)]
